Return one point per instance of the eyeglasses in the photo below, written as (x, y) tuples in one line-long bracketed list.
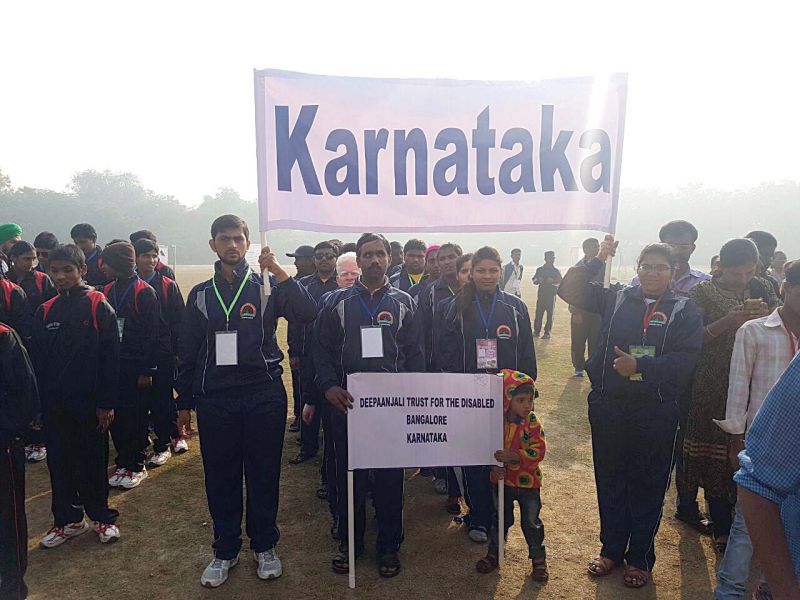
[(645, 268), (324, 256)]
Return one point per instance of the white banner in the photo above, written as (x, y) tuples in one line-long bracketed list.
[(424, 420), (349, 154)]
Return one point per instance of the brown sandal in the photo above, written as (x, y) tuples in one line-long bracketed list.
[(636, 578), (539, 572), (600, 566), (487, 564)]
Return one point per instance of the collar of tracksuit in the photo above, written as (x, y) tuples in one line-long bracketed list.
[(636, 292), (362, 289), (239, 271), (75, 290)]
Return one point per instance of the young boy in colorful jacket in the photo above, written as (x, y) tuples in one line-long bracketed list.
[(524, 448)]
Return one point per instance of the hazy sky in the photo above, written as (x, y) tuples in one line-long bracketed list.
[(165, 89)]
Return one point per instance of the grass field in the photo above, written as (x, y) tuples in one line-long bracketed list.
[(167, 533)]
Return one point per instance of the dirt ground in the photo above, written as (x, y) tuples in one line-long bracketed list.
[(167, 533)]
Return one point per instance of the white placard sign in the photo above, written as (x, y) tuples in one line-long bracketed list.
[(424, 419)]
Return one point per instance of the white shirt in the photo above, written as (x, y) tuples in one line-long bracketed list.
[(761, 353), (513, 284)]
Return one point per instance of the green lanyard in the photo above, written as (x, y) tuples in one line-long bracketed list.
[(229, 309)]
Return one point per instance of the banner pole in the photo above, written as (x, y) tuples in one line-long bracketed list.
[(501, 518), (607, 272), (351, 531), (266, 289)]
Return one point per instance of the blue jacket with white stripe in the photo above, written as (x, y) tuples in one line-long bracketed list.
[(344, 312), (676, 332), (259, 357)]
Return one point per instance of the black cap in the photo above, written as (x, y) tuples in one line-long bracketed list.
[(302, 252)]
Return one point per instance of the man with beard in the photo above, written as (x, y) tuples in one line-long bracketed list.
[(230, 372), (368, 328)]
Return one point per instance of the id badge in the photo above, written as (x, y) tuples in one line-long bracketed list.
[(227, 348), (640, 352), (371, 342), (120, 327), (486, 351)]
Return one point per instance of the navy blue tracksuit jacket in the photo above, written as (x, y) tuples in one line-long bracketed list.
[(259, 357), (510, 325), (338, 329)]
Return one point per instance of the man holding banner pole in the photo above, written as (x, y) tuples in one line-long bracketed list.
[(229, 371), (369, 327)]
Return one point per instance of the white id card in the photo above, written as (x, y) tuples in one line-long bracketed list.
[(120, 327), (486, 351), (227, 348), (372, 342)]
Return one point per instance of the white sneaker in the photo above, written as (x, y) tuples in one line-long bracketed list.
[(269, 565), (107, 532), (180, 446), (28, 450), (216, 573), (58, 535), (133, 478), (116, 477), (159, 458), (579, 373), (38, 453), (478, 535)]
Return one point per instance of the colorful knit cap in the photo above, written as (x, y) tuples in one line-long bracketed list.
[(511, 381), (431, 249)]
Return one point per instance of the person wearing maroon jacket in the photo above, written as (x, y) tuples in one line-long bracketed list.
[(146, 234), (163, 412), (75, 351), (39, 288), (19, 405), (138, 323)]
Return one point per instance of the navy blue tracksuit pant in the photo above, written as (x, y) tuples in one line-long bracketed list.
[(633, 439), (129, 429), (242, 437), (478, 494), (77, 457), (387, 493), (328, 469), (161, 406)]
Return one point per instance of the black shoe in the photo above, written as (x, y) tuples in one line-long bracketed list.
[(295, 426), (696, 521), (535, 334), (546, 336), (300, 458), (322, 492)]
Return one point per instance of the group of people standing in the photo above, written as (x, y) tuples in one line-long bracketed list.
[(92, 344)]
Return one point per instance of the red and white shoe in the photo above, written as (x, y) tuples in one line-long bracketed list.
[(180, 446), (132, 479), (58, 535), (107, 532), (117, 477), (38, 453)]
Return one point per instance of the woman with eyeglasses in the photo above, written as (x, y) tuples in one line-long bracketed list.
[(650, 340), (733, 296)]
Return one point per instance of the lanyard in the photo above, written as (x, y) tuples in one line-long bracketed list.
[(371, 313), (486, 320), (92, 255), (121, 303), (229, 309), (649, 312)]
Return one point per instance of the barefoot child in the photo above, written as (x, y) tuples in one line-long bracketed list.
[(524, 450)]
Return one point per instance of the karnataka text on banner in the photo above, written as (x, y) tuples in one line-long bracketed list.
[(424, 419), (350, 154)]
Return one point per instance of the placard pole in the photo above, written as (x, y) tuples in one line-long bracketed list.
[(607, 272), (501, 518), (266, 289), (351, 531)]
